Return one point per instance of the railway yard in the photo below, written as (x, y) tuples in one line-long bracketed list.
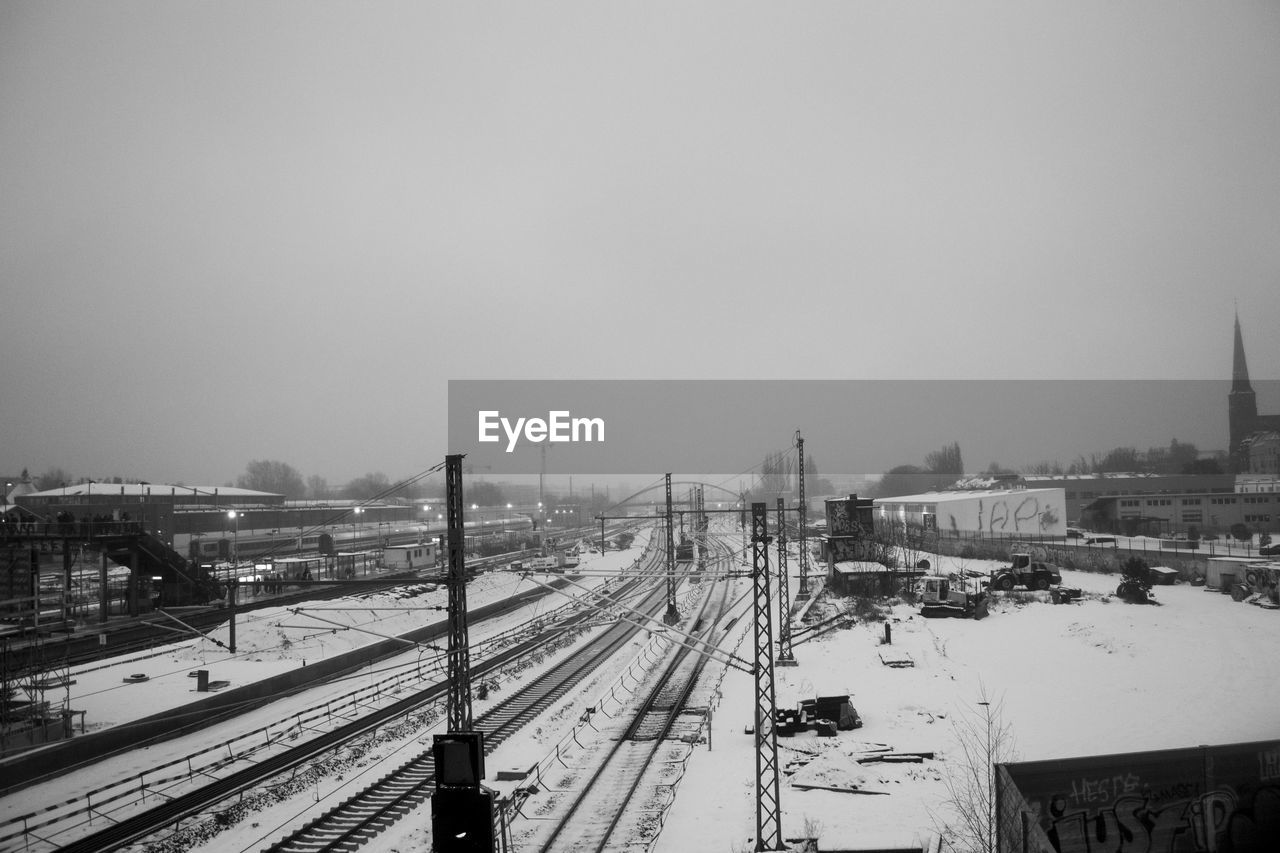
[(299, 768), (603, 731)]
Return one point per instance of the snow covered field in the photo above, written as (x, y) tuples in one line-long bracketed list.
[(1093, 677)]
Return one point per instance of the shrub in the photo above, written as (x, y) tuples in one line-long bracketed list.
[(1136, 571)]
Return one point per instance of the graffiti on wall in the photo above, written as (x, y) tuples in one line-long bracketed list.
[(1021, 514), (1203, 800), (1217, 820)]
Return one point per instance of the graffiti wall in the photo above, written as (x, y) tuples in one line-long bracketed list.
[(1203, 799), (1030, 512), (850, 522)]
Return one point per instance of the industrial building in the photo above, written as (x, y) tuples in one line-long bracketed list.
[(987, 512)]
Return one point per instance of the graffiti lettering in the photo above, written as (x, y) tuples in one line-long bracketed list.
[(1102, 790), (1215, 821), (1026, 515), (1269, 764)]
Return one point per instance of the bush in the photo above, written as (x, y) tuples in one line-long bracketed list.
[(1241, 531), (1136, 571), (866, 610)]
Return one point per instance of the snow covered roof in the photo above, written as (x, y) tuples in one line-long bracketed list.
[(137, 490), (859, 567), (959, 494)]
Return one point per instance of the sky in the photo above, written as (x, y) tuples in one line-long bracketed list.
[(240, 231)]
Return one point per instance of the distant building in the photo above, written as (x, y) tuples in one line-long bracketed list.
[(1244, 422), (15, 487), (989, 512), (1260, 453), (1088, 494)]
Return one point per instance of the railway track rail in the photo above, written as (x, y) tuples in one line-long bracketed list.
[(206, 798), (156, 632), (601, 813), (379, 806)]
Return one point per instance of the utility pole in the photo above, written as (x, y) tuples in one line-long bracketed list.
[(803, 592), (700, 525), (785, 656), (672, 615), (459, 655), (768, 801), (462, 809)]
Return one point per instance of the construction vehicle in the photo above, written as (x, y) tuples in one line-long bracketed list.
[(942, 596), (554, 561), (1026, 572)]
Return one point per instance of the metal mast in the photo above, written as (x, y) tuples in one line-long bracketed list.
[(673, 615), (700, 525), (459, 655), (785, 657), (768, 804), (804, 523)]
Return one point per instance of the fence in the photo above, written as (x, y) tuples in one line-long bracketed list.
[(1105, 556)]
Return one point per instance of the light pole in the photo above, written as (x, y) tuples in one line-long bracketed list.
[(235, 542), (991, 782)]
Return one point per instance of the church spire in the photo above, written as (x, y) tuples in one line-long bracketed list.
[(1239, 369)]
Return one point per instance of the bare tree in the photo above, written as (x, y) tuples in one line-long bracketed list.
[(946, 460), (369, 486), (270, 475), (53, 478), (983, 740), (317, 487)]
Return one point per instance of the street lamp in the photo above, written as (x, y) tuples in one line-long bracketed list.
[(235, 542), (991, 782)]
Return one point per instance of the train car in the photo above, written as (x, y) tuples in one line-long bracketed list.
[(258, 543)]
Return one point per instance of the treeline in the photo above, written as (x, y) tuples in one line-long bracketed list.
[(778, 476), (945, 467), (1180, 457)]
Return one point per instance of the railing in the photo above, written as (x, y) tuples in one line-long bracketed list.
[(73, 529)]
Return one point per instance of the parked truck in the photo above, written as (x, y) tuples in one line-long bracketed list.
[(1025, 572)]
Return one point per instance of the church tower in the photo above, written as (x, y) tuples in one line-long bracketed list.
[(1242, 404)]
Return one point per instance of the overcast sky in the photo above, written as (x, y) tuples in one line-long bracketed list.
[(235, 231)]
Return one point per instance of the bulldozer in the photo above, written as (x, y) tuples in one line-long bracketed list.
[(943, 596)]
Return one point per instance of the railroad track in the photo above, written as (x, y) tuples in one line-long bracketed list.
[(206, 798), (371, 811), (156, 632), (597, 815)]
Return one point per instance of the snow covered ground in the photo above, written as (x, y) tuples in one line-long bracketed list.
[(1092, 677)]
